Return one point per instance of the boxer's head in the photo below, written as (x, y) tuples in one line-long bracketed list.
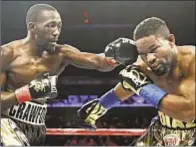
[(44, 24), (156, 45)]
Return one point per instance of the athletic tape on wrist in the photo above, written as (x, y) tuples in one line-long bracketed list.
[(23, 94), (109, 99), (152, 93), (110, 61)]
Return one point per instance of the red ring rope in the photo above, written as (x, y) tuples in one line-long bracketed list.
[(97, 132)]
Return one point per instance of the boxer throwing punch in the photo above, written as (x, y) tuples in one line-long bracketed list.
[(30, 68), (163, 74)]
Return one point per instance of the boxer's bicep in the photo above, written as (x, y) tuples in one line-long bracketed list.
[(8, 99), (187, 86), (121, 93), (187, 90), (7, 57), (184, 101), (3, 80)]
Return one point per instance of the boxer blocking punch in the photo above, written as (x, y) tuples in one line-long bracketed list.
[(164, 74), (24, 95)]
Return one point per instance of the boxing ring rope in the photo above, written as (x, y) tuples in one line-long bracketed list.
[(97, 132)]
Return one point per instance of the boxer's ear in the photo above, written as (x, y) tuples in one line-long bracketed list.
[(31, 27), (172, 40)]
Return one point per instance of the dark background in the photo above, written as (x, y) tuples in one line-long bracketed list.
[(117, 19), (107, 21)]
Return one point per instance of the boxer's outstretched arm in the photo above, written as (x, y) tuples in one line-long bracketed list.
[(121, 93), (87, 60)]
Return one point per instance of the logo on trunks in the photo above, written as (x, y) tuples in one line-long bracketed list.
[(29, 112), (171, 140), (174, 123)]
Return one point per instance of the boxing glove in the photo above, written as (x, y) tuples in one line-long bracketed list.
[(42, 87), (89, 113), (123, 50), (95, 109), (134, 79)]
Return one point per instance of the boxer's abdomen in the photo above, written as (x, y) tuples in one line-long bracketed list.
[(169, 122)]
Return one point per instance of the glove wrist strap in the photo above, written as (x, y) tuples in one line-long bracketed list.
[(23, 94)]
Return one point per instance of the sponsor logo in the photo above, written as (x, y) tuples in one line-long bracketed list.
[(171, 140)]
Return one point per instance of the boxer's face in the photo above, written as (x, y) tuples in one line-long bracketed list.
[(156, 52), (47, 29)]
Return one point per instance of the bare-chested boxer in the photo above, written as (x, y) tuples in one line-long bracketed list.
[(29, 72), (164, 74)]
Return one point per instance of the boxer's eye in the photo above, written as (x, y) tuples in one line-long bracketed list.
[(153, 50), (51, 25), (142, 54)]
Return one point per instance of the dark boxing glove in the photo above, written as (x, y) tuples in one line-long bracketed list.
[(123, 50), (43, 87), (95, 109), (89, 113)]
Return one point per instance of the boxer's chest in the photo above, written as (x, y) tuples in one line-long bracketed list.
[(24, 69), (168, 84)]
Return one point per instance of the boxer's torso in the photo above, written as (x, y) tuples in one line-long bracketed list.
[(172, 85), (23, 68)]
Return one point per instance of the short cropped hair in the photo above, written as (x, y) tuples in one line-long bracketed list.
[(151, 26), (34, 11)]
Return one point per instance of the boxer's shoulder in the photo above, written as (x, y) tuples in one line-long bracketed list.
[(66, 49), (12, 47), (7, 54), (187, 50), (187, 58), (13, 44)]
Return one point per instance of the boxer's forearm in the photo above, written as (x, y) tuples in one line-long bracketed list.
[(178, 107), (105, 63), (90, 61), (121, 93), (8, 99)]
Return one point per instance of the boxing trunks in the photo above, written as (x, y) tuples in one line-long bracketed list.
[(166, 131), (24, 125)]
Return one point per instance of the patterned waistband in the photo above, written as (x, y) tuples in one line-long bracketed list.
[(28, 112)]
